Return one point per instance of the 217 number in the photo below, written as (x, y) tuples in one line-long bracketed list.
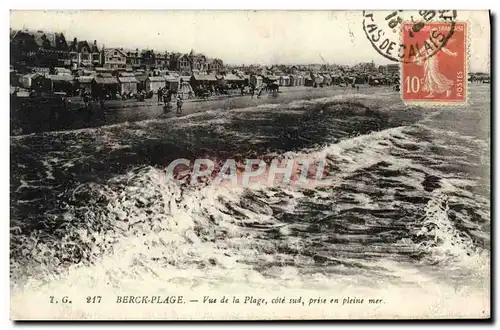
[(413, 84), (94, 300)]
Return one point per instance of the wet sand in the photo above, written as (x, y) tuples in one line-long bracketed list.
[(79, 118)]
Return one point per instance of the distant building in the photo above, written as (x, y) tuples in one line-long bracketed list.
[(84, 54), (162, 60), (393, 69), (390, 69), (197, 61), (366, 67), (38, 48), (114, 58), (151, 60), (134, 58), (215, 65), (180, 63), (187, 64)]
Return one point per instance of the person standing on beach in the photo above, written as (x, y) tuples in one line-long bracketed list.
[(179, 104), (85, 98), (160, 94), (102, 113)]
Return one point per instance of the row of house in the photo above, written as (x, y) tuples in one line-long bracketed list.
[(44, 49)]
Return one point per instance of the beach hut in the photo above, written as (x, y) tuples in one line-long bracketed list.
[(40, 83), (62, 71), (105, 84), (297, 80), (141, 78), (84, 82), (172, 74), (27, 79), (308, 81), (88, 73), (172, 83), (128, 84), (62, 83), (185, 78), (232, 78), (99, 70), (232, 81), (40, 70), (154, 83), (284, 80), (206, 79)]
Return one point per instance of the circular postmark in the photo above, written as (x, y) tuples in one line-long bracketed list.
[(397, 35)]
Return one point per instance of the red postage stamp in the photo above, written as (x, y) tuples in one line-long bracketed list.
[(436, 71)]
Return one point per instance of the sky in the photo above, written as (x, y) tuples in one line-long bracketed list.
[(240, 37)]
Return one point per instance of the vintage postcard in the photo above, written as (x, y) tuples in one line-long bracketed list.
[(250, 165)]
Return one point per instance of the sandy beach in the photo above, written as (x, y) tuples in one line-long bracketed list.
[(132, 111)]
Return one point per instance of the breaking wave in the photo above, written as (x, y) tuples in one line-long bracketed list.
[(406, 204)]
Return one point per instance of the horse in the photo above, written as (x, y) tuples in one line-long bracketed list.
[(273, 88)]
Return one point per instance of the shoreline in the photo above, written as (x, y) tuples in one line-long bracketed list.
[(78, 119)]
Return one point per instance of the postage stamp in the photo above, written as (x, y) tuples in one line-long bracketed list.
[(437, 72)]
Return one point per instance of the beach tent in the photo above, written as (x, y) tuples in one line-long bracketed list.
[(185, 90)]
